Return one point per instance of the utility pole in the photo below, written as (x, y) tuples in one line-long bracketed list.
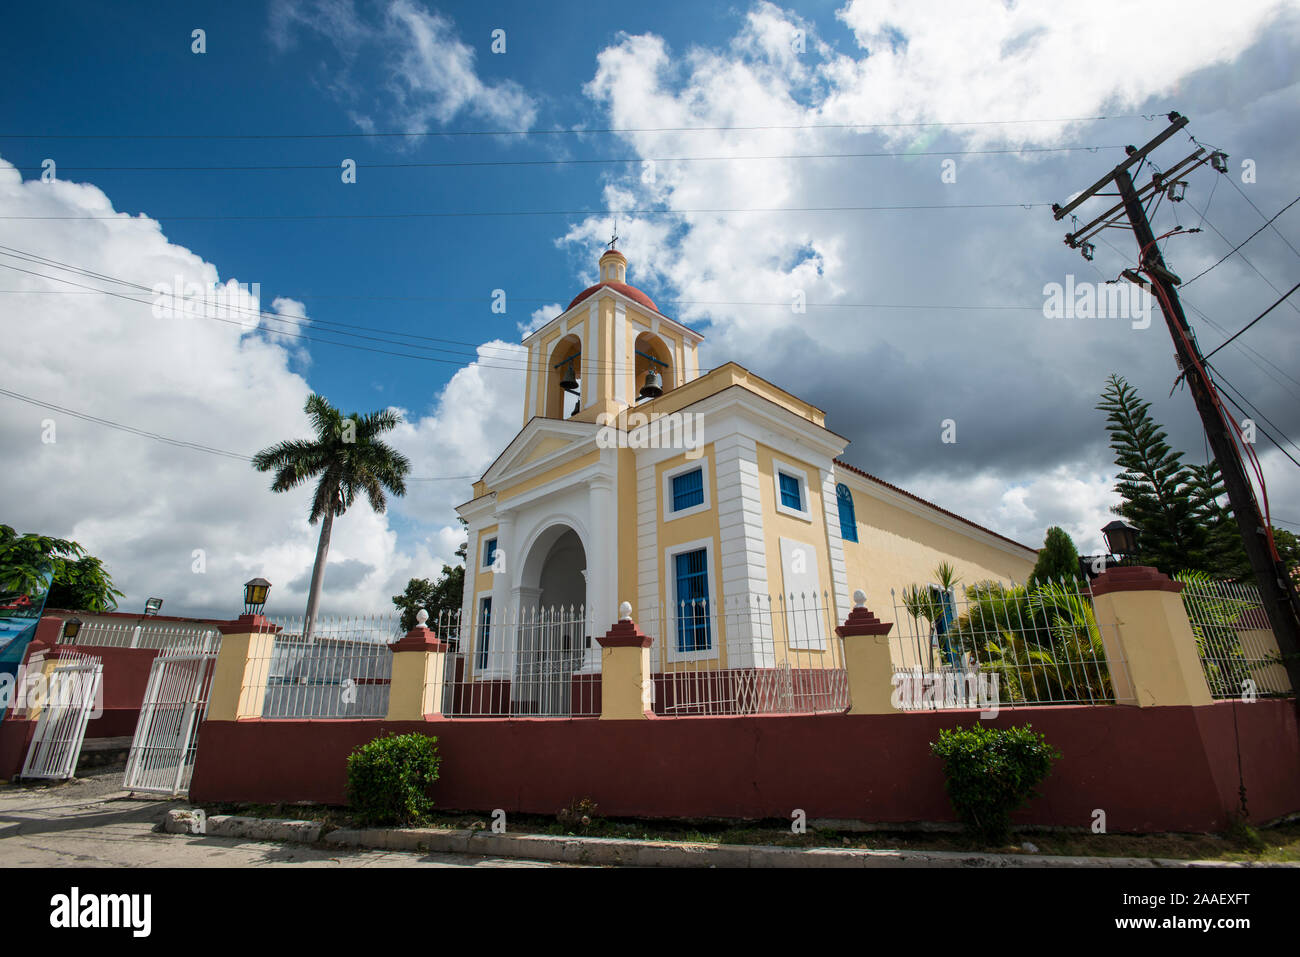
[(1277, 591)]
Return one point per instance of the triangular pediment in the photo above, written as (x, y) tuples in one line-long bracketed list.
[(541, 444)]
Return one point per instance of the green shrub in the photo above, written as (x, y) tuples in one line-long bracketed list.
[(991, 772), (389, 779)]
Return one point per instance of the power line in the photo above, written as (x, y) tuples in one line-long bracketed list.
[(566, 131), (1252, 322), (451, 164), (181, 443), (1234, 185), (1243, 242), (471, 214), (1227, 242), (1237, 392)]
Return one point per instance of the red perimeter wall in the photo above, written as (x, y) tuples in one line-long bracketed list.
[(1150, 769)]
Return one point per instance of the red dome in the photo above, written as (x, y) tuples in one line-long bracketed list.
[(632, 292)]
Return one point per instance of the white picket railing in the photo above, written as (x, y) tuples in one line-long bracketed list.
[(751, 654), (342, 670), (539, 662)]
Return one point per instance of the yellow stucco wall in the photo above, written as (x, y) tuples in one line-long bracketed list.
[(896, 548)]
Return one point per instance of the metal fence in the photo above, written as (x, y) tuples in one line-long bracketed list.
[(165, 743), (1237, 648), (539, 662), (145, 633), (342, 670), (749, 654), (73, 695), (994, 645)]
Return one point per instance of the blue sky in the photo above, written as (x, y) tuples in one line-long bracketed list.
[(890, 346)]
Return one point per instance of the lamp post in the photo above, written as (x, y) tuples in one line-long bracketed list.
[(1121, 539), (255, 594), (152, 606), (70, 629)]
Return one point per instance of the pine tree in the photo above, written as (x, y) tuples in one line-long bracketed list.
[(1158, 490), (1225, 555), (1058, 559)]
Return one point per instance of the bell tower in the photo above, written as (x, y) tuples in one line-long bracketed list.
[(611, 348)]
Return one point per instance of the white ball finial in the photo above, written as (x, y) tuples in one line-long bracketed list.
[(625, 611), (421, 617), (859, 598)]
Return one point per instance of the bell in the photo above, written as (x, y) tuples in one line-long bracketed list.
[(570, 381), (654, 386)]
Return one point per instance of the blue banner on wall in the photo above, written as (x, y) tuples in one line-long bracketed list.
[(20, 613)]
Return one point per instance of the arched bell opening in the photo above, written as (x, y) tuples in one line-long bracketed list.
[(654, 373), (564, 378)]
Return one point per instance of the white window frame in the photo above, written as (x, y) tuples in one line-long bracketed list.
[(777, 468), (486, 671), (485, 562), (715, 620), (702, 463)]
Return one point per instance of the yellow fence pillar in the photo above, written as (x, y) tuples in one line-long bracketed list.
[(243, 663), (867, 660), (624, 670), (1148, 638), (419, 669)]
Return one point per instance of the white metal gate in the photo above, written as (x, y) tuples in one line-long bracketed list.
[(61, 724), (162, 751)]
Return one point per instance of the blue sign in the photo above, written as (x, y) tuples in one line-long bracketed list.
[(19, 616)]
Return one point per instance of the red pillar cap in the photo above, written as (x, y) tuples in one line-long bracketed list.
[(625, 634), (1133, 578)]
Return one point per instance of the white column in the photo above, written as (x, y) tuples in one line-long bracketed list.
[(502, 638), (835, 545), (744, 554), (602, 558)]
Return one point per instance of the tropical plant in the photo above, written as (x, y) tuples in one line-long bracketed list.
[(389, 779), (990, 772), (79, 582), (1214, 625), (350, 459)]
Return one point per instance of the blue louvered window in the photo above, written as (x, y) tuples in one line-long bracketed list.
[(489, 552), (692, 596), (484, 630), (688, 489), (848, 520), (791, 493)]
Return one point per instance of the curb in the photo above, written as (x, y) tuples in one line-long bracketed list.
[(621, 852)]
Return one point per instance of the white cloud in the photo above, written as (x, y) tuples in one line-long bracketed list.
[(1021, 390), (145, 507), (429, 72), (539, 318)]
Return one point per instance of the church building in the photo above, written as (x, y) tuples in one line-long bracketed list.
[(638, 476)]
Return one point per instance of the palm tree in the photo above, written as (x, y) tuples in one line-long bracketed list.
[(350, 459)]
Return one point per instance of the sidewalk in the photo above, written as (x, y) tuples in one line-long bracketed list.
[(622, 852), (92, 822)]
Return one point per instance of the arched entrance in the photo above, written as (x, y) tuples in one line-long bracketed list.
[(553, 641)]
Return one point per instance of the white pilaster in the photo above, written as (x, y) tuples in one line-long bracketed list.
[(743, 552), (835, 545)]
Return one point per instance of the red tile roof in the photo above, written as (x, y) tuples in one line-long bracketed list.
[(632, 292), (879, 481)]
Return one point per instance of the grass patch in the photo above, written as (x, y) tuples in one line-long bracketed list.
[(1242, 842)]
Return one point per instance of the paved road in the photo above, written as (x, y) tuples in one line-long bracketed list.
[(91, 822)]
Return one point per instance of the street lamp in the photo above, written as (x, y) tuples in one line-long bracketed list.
[(152, 605), (70, 629), (255, 593), (1121, 538)]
